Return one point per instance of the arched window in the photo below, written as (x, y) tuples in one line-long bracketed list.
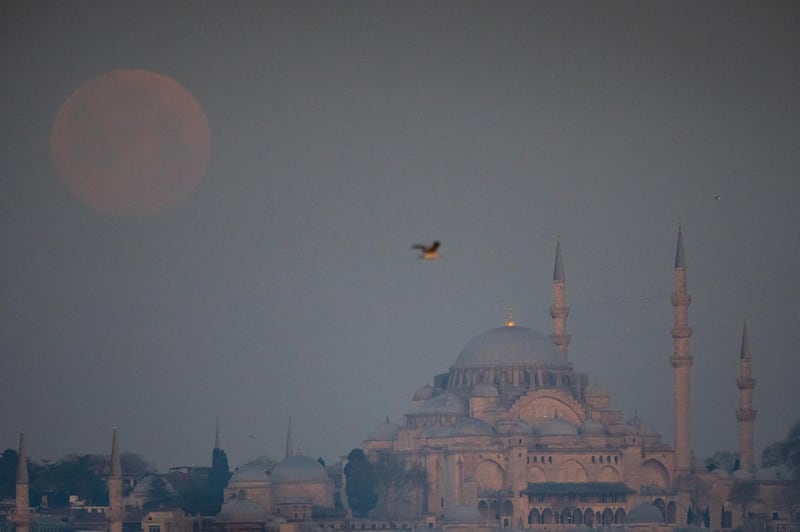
[(534, 518)]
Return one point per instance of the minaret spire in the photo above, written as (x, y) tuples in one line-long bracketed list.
[(559, 310), (289, 441), (115, 487), (217, 443), (745, 414), (22, 518), (681, 361)]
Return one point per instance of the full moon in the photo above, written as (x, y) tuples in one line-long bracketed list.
[(130, 143)]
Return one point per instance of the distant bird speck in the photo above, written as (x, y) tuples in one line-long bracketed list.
[(718, 197), (428, 252)]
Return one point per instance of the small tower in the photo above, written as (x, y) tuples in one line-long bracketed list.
[(681, 361), (115, 487), (22, 518), (745, 414), (559, 310)]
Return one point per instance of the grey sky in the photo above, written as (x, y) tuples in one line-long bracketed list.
[(343, 132)]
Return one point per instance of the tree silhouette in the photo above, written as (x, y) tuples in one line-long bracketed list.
[(360, 487)]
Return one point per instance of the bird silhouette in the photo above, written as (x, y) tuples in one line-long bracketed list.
[(428, 252), (718, 197)]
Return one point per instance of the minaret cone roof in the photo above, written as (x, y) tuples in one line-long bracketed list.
[(680, 256), (745, 352), (116, 464), (558, 268), (289, 441), (22, 461)]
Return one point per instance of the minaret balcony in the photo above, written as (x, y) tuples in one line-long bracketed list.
[(681, 332), (745, 383), (681, 361), (746, 414), (559, 312)]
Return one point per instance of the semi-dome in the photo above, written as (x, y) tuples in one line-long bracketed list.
[(644, 513), (484, 390), (249, 475), (242, 511), (386, 431), (556, 426), (465, 427), (592, 427), (299, 469), (510, 346), (444, 403), (513, 426)]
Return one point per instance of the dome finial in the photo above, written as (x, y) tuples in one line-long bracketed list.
[(510, 318)]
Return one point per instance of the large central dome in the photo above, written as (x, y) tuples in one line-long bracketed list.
[(510, 346)]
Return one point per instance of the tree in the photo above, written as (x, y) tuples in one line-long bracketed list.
[(785, 452), (726, 460), (133, 464), (218, 478), (698, 491), (361, 484), (396, 478), (743, 492), (8, 474), (159, 494)]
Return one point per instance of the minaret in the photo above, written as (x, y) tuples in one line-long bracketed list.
[(559, 310), (681, 361), (22, 518), (115, 487), (745, 414), (217, 442), (289, 442)]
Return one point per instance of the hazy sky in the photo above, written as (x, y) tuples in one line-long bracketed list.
[(344, 132)]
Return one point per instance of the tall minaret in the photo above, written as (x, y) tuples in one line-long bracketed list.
[(115, 487), (289, 441), (217, 442), (559, 310), (23, 514), (745, 414), (681, 361)]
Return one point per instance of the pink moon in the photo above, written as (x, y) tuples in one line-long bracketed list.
[(130, 143)]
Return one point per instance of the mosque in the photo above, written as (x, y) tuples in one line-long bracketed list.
[(513, 436)]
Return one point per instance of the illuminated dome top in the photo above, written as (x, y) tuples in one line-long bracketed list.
[(510, 346), (386, 431), (299, 469), (249, 474)]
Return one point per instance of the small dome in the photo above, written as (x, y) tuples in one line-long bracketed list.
[(515, 426), (444, 403), (644, 513), (556, 426), (484, 390), (242, 511), (773, 473), (299, 469), (510, 346), (386, 431), (464, 427), (249, 474), (592, 427), (143, 487), (424, 393), (464, 514), (636, 426), (721, 473)]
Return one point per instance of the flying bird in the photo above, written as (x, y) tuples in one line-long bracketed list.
[(718, 197), (428, 252)]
